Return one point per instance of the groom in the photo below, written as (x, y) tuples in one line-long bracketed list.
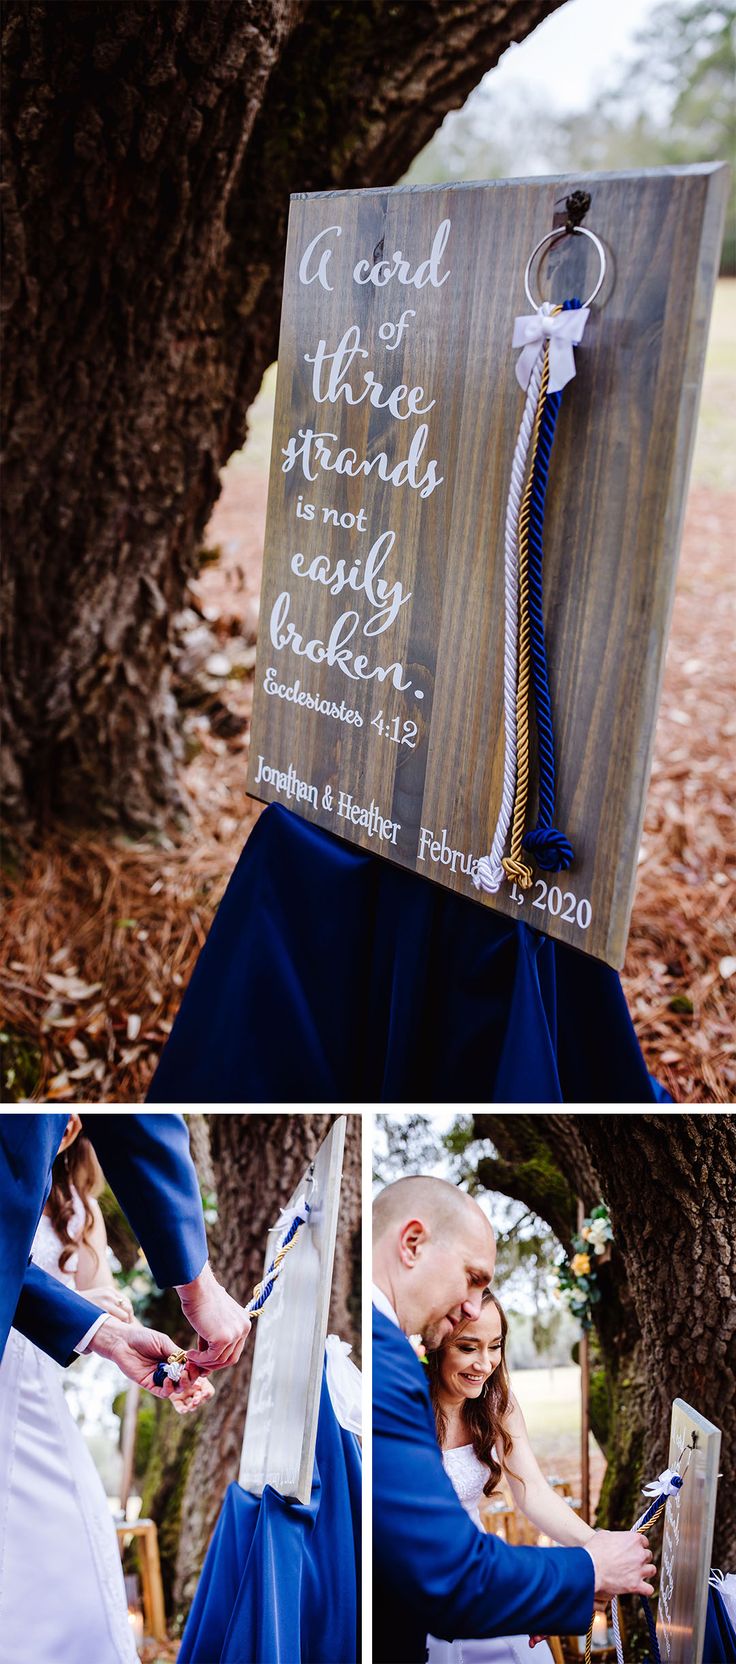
[(433, 1254), (146, 1161)]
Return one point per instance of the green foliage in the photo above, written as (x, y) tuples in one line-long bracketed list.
[(599, 1399), (20, 1067), (172, 1445)]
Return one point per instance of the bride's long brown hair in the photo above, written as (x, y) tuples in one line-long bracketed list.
[(484, 1417), (76, 1168)]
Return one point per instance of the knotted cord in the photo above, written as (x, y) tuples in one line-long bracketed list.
[(546, 358), (490, 872), (551, 850), (514, 866)]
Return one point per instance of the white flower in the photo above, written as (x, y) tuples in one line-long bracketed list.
[(417, 1345), (599, 1234)]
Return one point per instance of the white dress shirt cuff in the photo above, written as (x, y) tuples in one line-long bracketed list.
[(83, 1344)]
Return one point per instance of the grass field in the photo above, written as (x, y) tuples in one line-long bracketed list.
[(714, 461), (550, 1400)]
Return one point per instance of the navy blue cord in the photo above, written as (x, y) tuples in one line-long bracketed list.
[(651, 1626), (291, 1233), (552, 851)]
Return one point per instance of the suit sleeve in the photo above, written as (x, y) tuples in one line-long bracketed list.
[(462, 1582), (52, 1316), (147, 1163)]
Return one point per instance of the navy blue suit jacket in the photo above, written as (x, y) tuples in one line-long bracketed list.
[(146, 1161), (433, 1571)]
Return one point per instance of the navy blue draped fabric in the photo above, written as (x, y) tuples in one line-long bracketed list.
[(720, 1637), (281, 1581), (330, 975)]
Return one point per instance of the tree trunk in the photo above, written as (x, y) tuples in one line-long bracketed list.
[(150, 150), (670, 1182), (257, 1162), (666, 1321)]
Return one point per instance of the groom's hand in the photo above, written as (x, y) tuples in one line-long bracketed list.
[(623, 1563), (222, 1325), (137, 1351)]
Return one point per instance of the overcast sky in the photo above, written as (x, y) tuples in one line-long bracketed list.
[(571, 54)]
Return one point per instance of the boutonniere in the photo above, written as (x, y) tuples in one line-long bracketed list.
[(417, 1345)]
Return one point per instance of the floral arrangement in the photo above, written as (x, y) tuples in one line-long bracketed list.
[(577, 1278), (417, 1345)]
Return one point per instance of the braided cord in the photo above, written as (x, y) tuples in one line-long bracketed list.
[(513, 864), (551, 849), (263, 1289), (490, 874)]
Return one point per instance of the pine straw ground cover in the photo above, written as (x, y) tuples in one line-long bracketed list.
[(100, 934)]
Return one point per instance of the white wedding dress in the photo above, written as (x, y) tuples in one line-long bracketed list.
[(468, 1476), (62, 1594)]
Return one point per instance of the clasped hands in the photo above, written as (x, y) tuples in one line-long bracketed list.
[(221, 1325)]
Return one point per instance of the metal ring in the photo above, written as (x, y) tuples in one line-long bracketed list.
[(562, 231)]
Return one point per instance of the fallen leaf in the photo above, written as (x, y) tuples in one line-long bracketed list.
[(70, 988)]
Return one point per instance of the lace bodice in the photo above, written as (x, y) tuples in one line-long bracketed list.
[(468, 1476), (46, 1249)]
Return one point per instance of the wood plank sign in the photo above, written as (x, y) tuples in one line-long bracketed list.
[(379, 702), (687, 1539), (284, 1395)]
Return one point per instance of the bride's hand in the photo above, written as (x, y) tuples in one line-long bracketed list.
[(202, 1390), (111, 1300)]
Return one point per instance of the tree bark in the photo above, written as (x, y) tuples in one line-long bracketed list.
[(150, 150), (257, 1161), (666, 1321)]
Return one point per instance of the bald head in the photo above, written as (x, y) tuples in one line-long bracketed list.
[(434, 1252), (438, 1203)]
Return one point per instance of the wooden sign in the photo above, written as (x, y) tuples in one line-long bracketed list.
[(687, 1538), (378, 706), (286, 1382)]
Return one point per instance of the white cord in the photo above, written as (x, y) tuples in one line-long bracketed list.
[(616, 1631), (490, 873)]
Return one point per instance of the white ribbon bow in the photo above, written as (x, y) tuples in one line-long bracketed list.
[(668, 1484), (288, 1215), (563, 331)]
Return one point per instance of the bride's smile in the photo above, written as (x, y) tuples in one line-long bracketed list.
[(466, 1364)]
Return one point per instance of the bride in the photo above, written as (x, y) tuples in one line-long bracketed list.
[(483, 1436), (62, 1594)]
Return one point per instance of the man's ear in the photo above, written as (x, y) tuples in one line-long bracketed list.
[(413, 1236)]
